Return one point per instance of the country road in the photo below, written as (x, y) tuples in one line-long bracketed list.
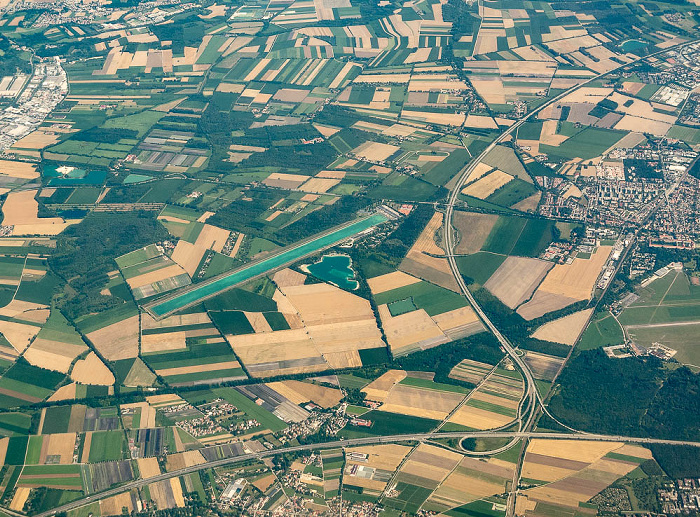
[(351, 443)]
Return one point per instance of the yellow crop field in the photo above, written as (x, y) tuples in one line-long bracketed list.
[(389, 281), (564, 330), (379, 388), (487, 185), (409, 400)]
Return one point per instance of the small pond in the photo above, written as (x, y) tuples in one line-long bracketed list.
[(335, 269), (63, 176)]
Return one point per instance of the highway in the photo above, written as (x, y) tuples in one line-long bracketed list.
[(352, 443)]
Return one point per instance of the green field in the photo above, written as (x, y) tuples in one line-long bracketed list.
[(388, 423), (34, 450), (586, 144), (668, 300), (480, 266), (410, 497), (424, 295), (232, 322), (512, 192), (266, 419), (432, 385), (350, 381), (12, 424), (94, 322), (107, 446)]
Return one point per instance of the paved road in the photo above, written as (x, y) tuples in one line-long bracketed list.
[(351, 443)]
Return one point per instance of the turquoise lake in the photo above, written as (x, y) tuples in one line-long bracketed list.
[(336, 270), (243, 274)]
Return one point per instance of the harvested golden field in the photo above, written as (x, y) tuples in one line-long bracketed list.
[(433, 269), (155, 276), (413, 401), (487, 185), (346, 337), (411, 331), (575, 479), (528, 204), (319, 185), (19, 334), (19, 498), (324, 303), (148, 467), (506, 386), (300, 392), (549, 135), (174, 321), (37, 139), (22, 170), (470, 371), (472, 479), (258, 322), (458, 322), (430, 462), (564, 330), (53, 355), (346, 359), (633, 123), (288, 277), (576, 280), (188, 256), (92, 370), (163, 342), (389, 281), (263, 354), (543, 366), (285, 181), (375, 151), (473, 230), (166, 494), (21, 309), (180, 460), (378, 390), (576, 450), (542, 302), (66, 392), (516, 279), (119, 340), (21, 211), (61, 445), (115, 504), (480, 419)]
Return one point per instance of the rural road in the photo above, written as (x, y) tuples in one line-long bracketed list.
[(372, 440)]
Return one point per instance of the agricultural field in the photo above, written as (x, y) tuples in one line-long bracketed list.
[(188, 350), (224, 232), (493, 404), (311, 335), (419, 315), (567, 474)]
